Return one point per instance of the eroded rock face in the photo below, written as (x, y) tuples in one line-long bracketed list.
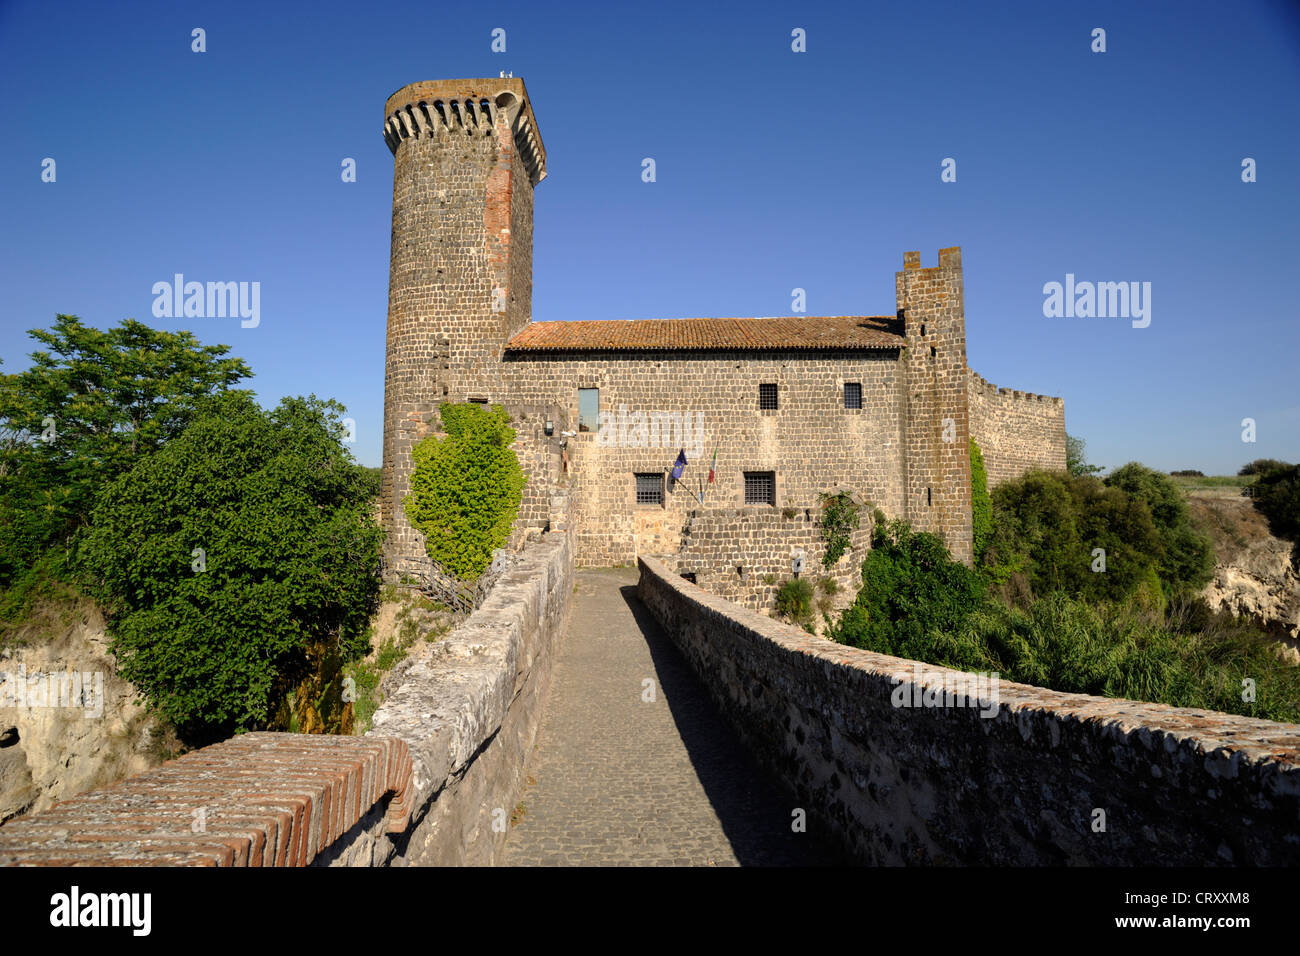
[(64, 734), (1255, 576)]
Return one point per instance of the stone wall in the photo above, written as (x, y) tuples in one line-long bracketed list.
[(1016, 431), (1028, 785), (746, 554), (469, 714), (465, 160), (811, 442), (936, 459), (433, 783)]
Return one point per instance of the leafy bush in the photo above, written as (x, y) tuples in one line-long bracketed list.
[(1046, 527), (1073, 646), (1276, 495), (917, 603), (1261, 465), (794, 600), (1184, 556), (910, 587), (231, 555), (466, 488), (839, 519), (981, 503)]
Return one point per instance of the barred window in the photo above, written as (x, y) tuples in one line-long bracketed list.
[(760, 487), (852, 394), (650, 488), (767, 396)]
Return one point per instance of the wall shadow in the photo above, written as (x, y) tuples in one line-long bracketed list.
[(754, 808)]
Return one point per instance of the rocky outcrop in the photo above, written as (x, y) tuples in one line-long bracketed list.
[(68, 723), (1255, 575)]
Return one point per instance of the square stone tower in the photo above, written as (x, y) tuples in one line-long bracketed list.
[(467, 155), (936, 445)]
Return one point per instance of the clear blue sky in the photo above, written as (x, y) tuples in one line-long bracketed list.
[(775, 170)]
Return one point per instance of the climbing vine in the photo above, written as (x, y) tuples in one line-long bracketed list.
[(839, 519), (466, 488), (981, 503)]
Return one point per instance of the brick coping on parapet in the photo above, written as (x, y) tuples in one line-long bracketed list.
[(1000, 392), (257, 799), (1229, 736)]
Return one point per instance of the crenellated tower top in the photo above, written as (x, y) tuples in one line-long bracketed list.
[(446, 107)]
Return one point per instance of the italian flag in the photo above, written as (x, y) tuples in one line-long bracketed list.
[(713, 467)]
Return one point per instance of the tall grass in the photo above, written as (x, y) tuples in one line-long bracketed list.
[(1104, 649)]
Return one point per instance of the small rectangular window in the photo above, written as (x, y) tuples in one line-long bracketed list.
[(650, 488), (852, 394), (760, 488), (588, 409), (767, 396), (478, 401)]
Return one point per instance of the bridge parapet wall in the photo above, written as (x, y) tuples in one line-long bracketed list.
[(433, 783), (1017, 779)]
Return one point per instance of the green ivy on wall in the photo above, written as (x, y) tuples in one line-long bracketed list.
[(981, 502), (466, 488), (839, 519)]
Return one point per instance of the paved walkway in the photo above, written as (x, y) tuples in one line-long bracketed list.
[(617, 780)]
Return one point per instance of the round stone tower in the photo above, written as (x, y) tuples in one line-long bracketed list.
[(467, 155)]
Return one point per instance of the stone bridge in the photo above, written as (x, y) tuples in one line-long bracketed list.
[(625, 716)]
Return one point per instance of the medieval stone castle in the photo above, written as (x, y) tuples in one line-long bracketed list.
[(794, 407)]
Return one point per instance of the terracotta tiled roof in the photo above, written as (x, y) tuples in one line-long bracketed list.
[(796, 332)]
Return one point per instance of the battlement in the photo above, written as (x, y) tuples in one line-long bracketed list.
[(949, 258), (440, 107), (989, 390)]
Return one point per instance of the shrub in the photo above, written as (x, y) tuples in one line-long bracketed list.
[(794, 600), (1184, 556), (466, 488), (1261, 465), (288, 564), (981, 503), (1276, 496), (910, 586), (1046, 527), (839, 519)]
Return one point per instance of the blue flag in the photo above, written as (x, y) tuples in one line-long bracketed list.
[(679, 465)]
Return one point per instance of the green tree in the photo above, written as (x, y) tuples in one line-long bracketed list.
[(1055, 530), (1184, 555), (230, 555), (1261, 465), (89, 406), (981, 503), (1076, 457), (466, 488)]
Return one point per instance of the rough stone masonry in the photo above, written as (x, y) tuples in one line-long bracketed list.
[(794, 407)]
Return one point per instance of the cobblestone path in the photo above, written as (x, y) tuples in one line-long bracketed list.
[(618, 780)]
